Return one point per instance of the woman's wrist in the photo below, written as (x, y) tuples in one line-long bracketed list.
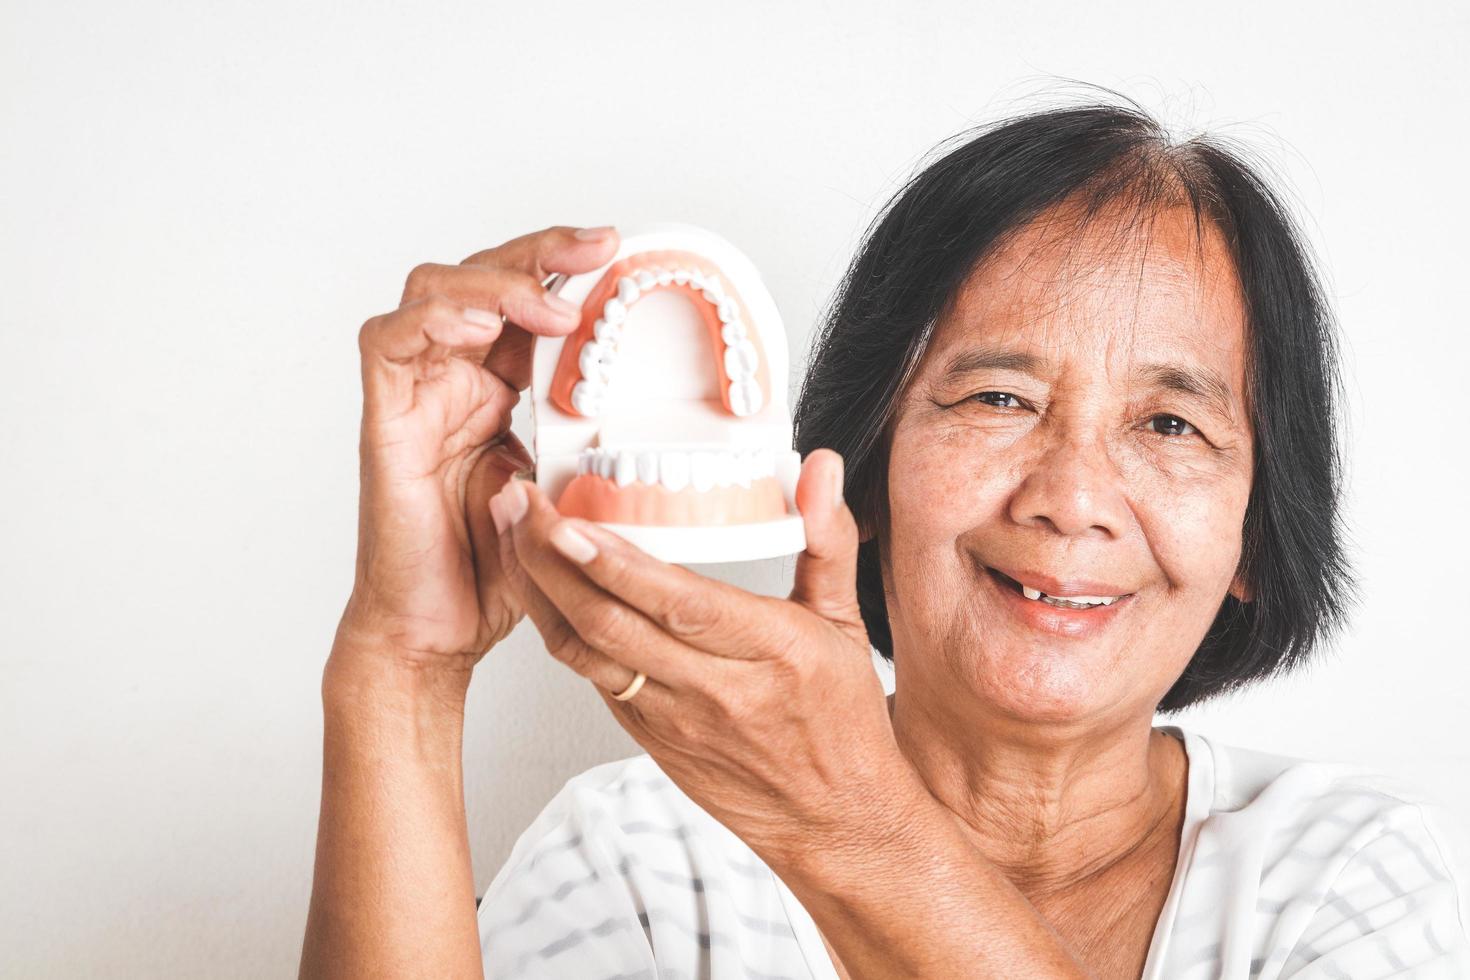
[(386, 715), (363, 669)]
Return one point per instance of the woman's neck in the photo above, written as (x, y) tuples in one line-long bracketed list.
[(1053, 806)]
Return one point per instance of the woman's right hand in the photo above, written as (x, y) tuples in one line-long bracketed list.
[(440, 376)]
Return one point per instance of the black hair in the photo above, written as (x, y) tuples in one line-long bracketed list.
[(953, 213)]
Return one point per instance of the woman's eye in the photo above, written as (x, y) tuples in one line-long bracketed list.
[(985, 397), (1174, 425)]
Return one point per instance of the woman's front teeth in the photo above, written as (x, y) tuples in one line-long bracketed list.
[(675, 469), (1071, 601)]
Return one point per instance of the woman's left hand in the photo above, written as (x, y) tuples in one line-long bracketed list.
[(765, 711)]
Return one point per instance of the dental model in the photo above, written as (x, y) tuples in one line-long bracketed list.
[(664, 415)]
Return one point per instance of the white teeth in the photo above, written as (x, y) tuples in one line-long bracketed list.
[(673, 470), (606, 332), (628, 291), (702, 474), (1078, 602), (1071, 600), (701, 470), (733, 367), (741, 360), (588, 398), (648, 468), (744, 467), (593, 361), (727, 469), (745, 397), (626, 469)]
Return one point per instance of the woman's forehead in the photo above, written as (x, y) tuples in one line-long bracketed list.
[(1119, 286)]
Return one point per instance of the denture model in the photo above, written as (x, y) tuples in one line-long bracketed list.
[(664, 416)]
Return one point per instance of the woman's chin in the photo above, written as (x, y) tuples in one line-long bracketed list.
[(1044, 684)]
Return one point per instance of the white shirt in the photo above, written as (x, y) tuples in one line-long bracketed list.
[(1286, 868)]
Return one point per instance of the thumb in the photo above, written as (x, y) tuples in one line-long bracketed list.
[(826, 572)]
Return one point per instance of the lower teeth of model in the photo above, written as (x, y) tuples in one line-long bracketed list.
[(676, 469)]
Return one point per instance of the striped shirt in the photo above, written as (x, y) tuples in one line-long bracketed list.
[(1286, 869)]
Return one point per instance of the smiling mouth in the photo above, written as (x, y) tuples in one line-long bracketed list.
[(1034, 595)]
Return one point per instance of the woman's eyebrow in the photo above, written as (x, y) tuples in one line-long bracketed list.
[(983, 358), (1198, 382)]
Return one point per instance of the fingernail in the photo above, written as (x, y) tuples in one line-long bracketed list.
[(593, 234), (572, 543), (515, 502), (837, 476), (483, 318), (562, 307), (497, 513)]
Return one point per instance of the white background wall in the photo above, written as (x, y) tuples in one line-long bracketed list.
[(201, 203)]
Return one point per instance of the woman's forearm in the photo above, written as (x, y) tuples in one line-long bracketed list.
[(908, 895), (393, 893)]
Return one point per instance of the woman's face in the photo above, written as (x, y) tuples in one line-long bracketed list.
[(1079, 423)]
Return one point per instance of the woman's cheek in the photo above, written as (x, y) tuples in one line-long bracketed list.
[(945, 485), (1193, 523)]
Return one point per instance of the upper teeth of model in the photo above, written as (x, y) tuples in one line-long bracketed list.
[(676, 469), (1071, 600), (597, 357)]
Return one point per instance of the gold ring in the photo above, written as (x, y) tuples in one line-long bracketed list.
[(632, 688)]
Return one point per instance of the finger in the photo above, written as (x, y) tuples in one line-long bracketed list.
[(561, 248), (562, 641), (507, 293), (826, 572), (699, 612), (488, 475), (510, 358), (602, 620), (394, 345)]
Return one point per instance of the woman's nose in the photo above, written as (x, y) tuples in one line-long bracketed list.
[(1073, 488)]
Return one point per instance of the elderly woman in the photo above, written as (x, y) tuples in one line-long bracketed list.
[(1070, 460)]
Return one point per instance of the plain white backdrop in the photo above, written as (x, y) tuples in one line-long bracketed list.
[(200, 203)]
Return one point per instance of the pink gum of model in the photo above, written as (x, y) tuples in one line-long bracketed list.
[(568, 371)]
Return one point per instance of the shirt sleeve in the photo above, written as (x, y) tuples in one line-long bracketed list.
[(560, 905), (1397, 909)]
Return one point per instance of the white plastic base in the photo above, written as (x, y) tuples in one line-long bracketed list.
[(695, 545)]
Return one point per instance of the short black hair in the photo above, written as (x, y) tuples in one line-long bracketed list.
[(949, 216)]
